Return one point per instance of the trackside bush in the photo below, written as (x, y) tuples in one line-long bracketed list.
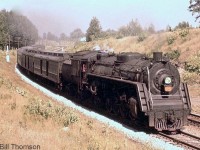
[(193, 65), (42, 109)]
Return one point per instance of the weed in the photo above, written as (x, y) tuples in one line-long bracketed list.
[(1, 81), (90, 123), (5, 96), (20, 91), (93, 145), (13, 105)]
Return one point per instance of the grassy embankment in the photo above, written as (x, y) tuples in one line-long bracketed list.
[(30, 117)]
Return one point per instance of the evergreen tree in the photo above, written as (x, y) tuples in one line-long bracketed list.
[(94, 30), (16, 30), (182, 25), (3, 29)]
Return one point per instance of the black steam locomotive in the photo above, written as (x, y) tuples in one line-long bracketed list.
[(128, 84)]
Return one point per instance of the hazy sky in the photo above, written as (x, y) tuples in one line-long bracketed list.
[(59, 16)]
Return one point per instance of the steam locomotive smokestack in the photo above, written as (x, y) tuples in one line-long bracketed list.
[(157, 56)]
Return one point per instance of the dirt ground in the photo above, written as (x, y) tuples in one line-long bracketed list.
[(19, 128)]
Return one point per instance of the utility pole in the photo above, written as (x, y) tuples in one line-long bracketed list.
[(9, 41), (18, 42), (25, 42)]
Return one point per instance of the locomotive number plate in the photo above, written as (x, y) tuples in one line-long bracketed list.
[(168, 88)]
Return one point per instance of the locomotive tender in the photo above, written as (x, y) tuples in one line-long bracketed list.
[(127, 84)]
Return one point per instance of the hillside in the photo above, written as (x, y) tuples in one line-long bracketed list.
[(28, 117), (186, 41)]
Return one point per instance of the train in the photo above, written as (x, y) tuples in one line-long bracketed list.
[(127, 84)]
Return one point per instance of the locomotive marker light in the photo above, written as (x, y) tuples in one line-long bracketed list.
[(168, 80)]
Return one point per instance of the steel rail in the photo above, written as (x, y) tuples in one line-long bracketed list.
[(182, 141)]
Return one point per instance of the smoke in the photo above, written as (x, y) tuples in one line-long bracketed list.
[(51, 22)]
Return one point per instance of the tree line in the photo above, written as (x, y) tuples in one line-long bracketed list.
[(133, 28), (74, 35), (94, 31), (16, 30)]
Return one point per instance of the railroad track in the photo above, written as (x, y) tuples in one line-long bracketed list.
[(194, 119), (188, 141)]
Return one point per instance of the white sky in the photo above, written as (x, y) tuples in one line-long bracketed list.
[(59, 16)]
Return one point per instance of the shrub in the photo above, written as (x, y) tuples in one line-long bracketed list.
[(41, 109), (193, 65), (183, 33), (173, 55), (141, 37), (119, 37), (171, 39)]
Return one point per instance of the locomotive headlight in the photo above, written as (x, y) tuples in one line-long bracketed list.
[(168, 80)]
